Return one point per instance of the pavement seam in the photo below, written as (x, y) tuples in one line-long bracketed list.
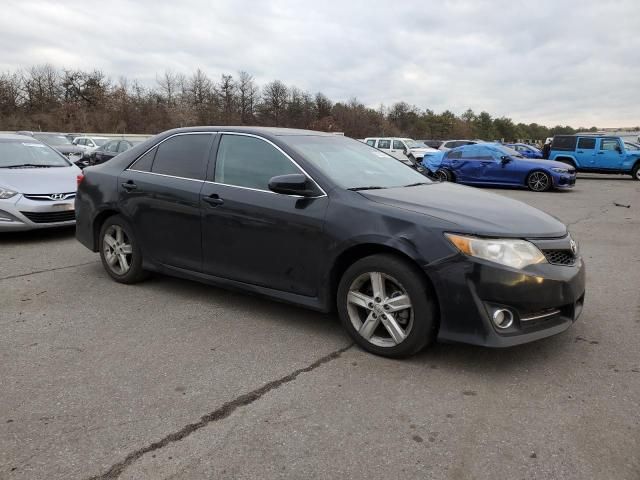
[(219, 414), (48, 270)]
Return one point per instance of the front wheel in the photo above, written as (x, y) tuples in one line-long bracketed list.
[(119, 251), (539, 181), (386, 306), (635, 173)]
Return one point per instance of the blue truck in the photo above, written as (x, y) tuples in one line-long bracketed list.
[(596, 154)]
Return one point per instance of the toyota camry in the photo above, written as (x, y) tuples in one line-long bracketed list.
[(330, 223)]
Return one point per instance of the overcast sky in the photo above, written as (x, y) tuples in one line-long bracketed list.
[(567, 62)]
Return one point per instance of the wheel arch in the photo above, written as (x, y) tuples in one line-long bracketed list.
[(354, 253), (560, 158), (98, 221), (537, 169)]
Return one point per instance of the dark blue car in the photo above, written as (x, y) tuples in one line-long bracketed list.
[(527, 151), (497, 165)]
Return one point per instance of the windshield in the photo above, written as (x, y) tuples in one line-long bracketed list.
[(52, 139), (18, 153), (412, 143), (100, 141), (352, 164)]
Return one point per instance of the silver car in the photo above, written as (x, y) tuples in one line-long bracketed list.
[(37, 185)]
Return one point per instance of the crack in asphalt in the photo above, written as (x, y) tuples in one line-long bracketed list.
[(590, 216), (47, 270), (219, 414)]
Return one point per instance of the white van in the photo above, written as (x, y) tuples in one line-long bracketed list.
[(401, 148)]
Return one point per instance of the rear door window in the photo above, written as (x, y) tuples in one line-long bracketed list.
[(398, 145), (384, 144), (183, 156)]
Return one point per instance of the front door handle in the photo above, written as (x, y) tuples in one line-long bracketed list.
[(128, 186), (214, 200)]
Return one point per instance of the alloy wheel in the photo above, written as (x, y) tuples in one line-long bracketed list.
[(117, 248), (538, 181), (380, 309)]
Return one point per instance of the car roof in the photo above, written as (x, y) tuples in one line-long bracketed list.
[(267, 131)]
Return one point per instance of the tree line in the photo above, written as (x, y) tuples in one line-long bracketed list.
[(46, 98)]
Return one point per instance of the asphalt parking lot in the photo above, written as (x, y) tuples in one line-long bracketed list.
[(173, 379)]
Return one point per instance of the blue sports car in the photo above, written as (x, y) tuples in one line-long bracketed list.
[(525, 150), (497, 165)]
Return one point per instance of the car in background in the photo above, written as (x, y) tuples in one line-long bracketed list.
[(527, 151), (631, 146), (596, 154), (61, 143), (109, 150), (338, 225), (37, 185), (400, 148), (89, 144), (449, 144), (432, 143), (496, 165)]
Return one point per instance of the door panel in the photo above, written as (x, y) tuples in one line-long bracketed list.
[(263, 238), (607, 156), (165, 213)]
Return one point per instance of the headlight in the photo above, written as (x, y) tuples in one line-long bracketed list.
[(512, 253), (6, 193), (560, 170)]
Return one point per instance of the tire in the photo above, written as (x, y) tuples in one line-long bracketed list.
[(539, 181), (635, 172), (444, 175), (402, 284), (119, 249)]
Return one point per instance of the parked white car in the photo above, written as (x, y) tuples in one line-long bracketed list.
[(400, 148), (449, 144), (89, 144), (37, 185)]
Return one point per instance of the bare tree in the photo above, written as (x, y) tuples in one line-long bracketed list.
[(247, 97), (274, 102)]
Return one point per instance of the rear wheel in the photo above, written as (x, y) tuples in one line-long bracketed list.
[(386, 306), (444, 175), (119, 251), (539, 181), (635, 173)]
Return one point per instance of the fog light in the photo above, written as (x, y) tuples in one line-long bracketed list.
[(502, 318)]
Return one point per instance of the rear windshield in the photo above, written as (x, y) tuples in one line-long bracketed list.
[(52, 139), (564, 143), (18, 153)]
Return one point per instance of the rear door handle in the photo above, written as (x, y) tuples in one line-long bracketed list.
[(214, 200), (128, 186)]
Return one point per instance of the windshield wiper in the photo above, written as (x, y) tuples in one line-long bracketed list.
[(355, 189), (27, 165), (417, 184)]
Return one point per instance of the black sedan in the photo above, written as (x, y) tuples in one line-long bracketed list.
[(328, 223), (110, 150)]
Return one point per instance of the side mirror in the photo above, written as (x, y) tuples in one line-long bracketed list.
[(293, 184), (618, 148), (505, 159)]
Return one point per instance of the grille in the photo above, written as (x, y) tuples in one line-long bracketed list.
[(50, 217), (560, 257), (47, 197)]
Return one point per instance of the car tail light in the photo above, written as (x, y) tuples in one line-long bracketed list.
[(79, 179)]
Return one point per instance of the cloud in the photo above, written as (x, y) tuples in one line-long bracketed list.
[(551, 62)]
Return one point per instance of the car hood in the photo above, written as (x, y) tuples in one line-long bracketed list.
[(471, 210), (66, 149), (37, 181), (423, 149), (543, 163)]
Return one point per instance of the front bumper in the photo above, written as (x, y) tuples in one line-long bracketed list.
[(20, 213), (545, 300), (562, 181)]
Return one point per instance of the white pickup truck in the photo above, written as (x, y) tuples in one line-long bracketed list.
[(401, 148)]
